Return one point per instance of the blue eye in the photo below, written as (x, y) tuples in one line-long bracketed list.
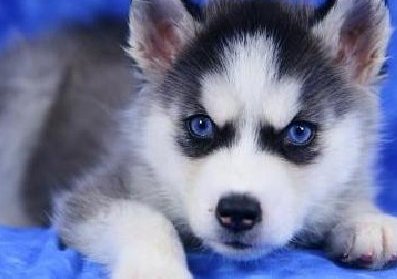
[(300, 133), (201, 126)]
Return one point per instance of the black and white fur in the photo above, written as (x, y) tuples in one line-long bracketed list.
[(254, 67)]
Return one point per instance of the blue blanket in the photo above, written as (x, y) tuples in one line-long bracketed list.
[(36, 253)]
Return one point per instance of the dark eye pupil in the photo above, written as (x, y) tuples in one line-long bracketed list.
[(300, 131), (201, 127), (203, 124), (300, 134)]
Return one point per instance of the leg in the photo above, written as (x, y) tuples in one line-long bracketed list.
[(133, 240), (364, 236)]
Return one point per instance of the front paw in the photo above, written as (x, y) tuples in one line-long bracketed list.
[(152, 269), (368, 241)]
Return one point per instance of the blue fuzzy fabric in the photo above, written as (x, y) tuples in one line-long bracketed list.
[(36, 253)]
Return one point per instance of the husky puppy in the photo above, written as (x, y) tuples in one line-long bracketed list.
[(253, 124)]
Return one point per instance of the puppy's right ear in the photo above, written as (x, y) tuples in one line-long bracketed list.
[(356, 34), (159, 30)]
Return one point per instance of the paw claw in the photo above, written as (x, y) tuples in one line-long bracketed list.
[(393, 261), (367, 258), (344, 257)]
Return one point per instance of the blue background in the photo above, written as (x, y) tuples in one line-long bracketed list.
[(36, 253)]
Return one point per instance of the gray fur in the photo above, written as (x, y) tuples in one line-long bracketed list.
[(82, 78)]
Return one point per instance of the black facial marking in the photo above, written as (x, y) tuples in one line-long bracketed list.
[(196, 148), (272, 140), (300, 55)]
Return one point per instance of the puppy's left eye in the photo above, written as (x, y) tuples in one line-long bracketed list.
[(300, 133), (201, 127)]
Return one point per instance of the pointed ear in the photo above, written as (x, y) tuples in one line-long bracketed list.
[(159, 29), (356, 34)]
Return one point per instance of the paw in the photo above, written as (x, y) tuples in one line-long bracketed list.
[(368, 241), (152, 270)]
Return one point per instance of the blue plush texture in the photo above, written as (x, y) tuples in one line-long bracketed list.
[(36, 253)]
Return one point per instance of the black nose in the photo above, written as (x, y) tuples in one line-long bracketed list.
[(238, 213)]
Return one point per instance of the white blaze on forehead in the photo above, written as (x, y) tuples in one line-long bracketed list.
[(250, 86)]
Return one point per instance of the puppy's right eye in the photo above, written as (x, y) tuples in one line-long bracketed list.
[(201, 127)]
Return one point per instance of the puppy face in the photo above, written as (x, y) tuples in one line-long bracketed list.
[(255, 121)]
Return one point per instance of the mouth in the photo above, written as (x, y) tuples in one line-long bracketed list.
[(237, 245), (239, 250)]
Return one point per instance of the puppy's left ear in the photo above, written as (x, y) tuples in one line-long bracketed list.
[(356, 34), (159, 29)]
